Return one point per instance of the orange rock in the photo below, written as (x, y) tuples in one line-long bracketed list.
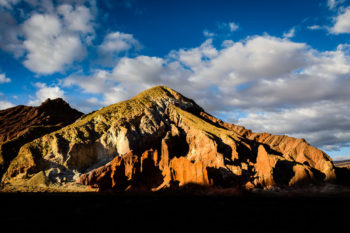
[(264, 166), (186, 172)]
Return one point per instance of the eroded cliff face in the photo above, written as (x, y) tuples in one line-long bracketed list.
[(160, 139)]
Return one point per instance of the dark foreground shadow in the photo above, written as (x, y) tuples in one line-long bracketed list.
[(172, 212)]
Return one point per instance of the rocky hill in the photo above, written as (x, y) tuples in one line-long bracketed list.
[(160, 139), (22, 124)]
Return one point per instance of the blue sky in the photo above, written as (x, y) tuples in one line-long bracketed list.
[(276, 66)]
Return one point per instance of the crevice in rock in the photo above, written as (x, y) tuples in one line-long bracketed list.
[(223, 149), (283, 172), (177, 145), (222, 177)]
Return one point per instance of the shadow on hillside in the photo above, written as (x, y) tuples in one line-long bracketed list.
[(343, 175)]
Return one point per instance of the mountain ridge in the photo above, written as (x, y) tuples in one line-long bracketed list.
[(161, 139)]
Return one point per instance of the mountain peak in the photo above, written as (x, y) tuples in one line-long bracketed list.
[(57, 106), (49, 101), (162, 91), (160, 139)]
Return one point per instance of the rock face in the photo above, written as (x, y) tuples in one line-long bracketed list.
[(161, 139), (22, 124)]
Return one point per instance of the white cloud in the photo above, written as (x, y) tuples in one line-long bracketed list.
[(118, 42), (200, 68), (4, 79), (138, 69), (314, 27), (290, 33), (49, 48), (44, 92), (95, 83), (233, 26), (342, 22), (52, 35), (78, 19), (254, 58), (129, 77), (194, 58), (114, 44), (5, 104), (320, 123)]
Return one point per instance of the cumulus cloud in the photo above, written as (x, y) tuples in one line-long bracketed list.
[(114, 44), (52, 35), (78, 19), (4, 79), (148, 68), (55, 40), (195, 58), (341, 22), (44, 92), (254, 58), (118, 42), (94, 83), (49, 48)]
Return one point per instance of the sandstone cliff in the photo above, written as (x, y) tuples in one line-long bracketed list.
[(161, 139)]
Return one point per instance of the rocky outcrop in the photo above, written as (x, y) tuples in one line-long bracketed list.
[(126, 172), (161, 139), (22, 124)]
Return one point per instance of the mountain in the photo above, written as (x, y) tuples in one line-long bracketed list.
[(22, 124), (160, 139)]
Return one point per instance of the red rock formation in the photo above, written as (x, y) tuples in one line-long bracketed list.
[(186, 172), (160, 139), (201, 149), (126, 172)]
